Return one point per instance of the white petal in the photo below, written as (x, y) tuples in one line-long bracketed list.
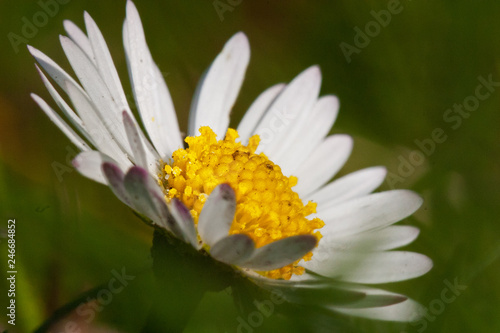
[(89, 120), (76, 121), (150, 91), (67, 111), (233, 249), (372, 268), (192, 111), (280, 253), (388, 238), (80, 38), (313, 130), (370, 212), (323, 163), (185, 221), (384, 239), (219, 87), (135, 141), (63, 126), (256, 111), (53, 69), (405, 311), (319, 292), (89, 164), (105, 106), (288, 111), (99, 91), (353, 185), (105, 64), (101, 72), (217, 214), (101, 138)]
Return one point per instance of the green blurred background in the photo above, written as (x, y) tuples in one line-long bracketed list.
[(72, 234)]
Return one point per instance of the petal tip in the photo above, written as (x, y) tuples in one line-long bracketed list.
[(76, 162), (313, 71), (413, 199), (310, 240), (33, 51), (64, 39), (310, 76), (137, 171), (240, 37), (381, 170), (109, 166), (227, 192), (130, 8)]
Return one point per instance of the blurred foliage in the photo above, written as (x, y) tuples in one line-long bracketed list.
[(72, 234)]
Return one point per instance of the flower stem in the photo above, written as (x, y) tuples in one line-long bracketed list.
[(183, 275)]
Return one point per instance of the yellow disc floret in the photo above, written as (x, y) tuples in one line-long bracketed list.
[(267, 209)]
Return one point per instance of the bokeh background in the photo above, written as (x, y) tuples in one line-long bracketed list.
[(72, 233)]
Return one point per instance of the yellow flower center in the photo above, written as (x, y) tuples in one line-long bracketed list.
[(267, 209)]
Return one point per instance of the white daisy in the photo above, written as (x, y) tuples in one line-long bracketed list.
[(265, 207)]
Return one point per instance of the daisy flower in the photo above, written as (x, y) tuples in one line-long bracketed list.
[(257, 197)]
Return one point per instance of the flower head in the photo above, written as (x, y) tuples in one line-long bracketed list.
[(256, 197)]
